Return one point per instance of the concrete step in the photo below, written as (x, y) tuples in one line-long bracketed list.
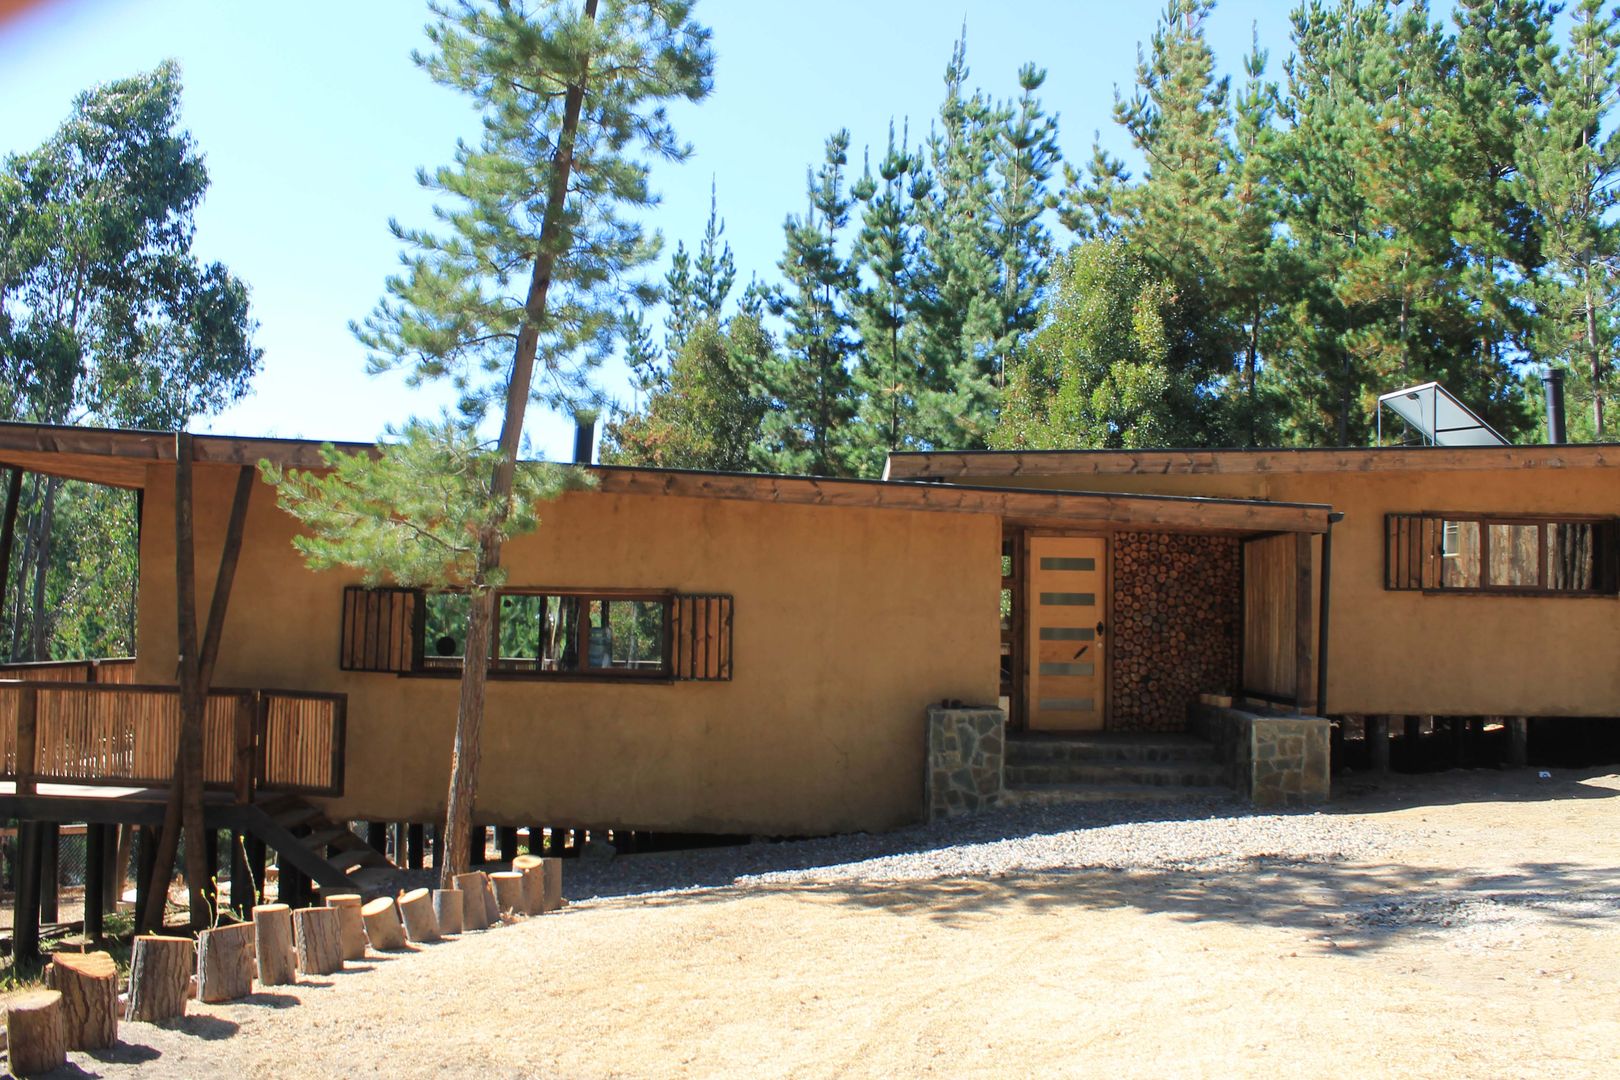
[(1184, 773), (1028, 749), (1048, 794)]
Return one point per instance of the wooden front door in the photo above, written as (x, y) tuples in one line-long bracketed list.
[(1067, 605)]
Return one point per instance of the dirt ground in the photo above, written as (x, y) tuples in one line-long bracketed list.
[(1487, 943)]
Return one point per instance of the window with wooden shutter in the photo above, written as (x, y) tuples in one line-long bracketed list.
[(1500, 553), (702, 637), (379, 629)]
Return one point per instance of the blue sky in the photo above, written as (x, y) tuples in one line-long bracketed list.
[(313, 121)]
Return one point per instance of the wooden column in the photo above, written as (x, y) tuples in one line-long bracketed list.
[(145, 876), (119, 846), (1518, 736), (377, 835), (438, 844), (1377, 735), (95, 873), (1304, 652), (415, 843), (50, 872), (507, 837), (478, 853), (397, 849), (25, 921)]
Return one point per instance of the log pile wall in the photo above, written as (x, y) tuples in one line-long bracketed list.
[(1176, 613)]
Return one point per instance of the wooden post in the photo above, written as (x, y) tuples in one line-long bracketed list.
[(120, 866), (508, 886), (1377, 735), (478, 851), (273, 944), (95, 873), (159, 977), (27, 737), (50, 872), (351, 924), (415, 842), (397, 853), (25, 921), (36, 1037), (320, 940), (507, 838), (145, 876), (1459, 740), (533, 869), (474, 915), (225, 963), (377, 835), (416, 910), (554, 874), (383, 927), (1304, 662), (88, 983), (1518, 736), (438, 844), (447, 910)]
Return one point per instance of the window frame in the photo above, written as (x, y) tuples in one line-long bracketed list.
[(432, 667), (1606, 540)]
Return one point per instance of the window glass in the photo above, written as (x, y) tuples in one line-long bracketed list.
[(1459, 562), (1515, 555), (1572, 556), (626, 635), (444, 636)]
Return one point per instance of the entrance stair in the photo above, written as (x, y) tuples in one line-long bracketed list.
[(1063, 767), (327, 851)]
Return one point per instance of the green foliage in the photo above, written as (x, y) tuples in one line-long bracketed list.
[(416, 512), (708, 414), (1109, 367)]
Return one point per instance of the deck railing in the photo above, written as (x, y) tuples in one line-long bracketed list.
[(119, 671), (127, 735)]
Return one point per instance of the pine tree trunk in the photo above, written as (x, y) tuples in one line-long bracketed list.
[(1596, 361), (474, 669), (40, 624)]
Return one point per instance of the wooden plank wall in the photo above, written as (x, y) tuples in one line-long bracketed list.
[(1269, 615)]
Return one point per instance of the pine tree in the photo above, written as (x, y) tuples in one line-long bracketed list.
[(1026, 156), (813, 395), (888, 375), (1569, 165), (555, 183)]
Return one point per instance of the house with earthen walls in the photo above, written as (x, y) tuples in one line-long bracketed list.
[(705, 653)]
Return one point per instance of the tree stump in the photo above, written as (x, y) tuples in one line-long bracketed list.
[(320, 942), (553, 894), (88, 983), (416, 908), (36, 1035), (382, 924), (273, 944), (508, 886), (225, 963), (533, 869), (447, 910), (492, 907), (474, 915), (351, 924), (159, 977)]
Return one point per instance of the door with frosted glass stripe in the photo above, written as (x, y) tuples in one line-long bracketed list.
[(1067, 597)]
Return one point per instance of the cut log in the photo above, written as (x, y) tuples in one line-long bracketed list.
[(351, 924), (416, 909), (382, 924), (447, 910), (273, 944), (320, 941), (159, 977), (35, 1032), (533, 869), (508, 885), (553, 895), (474, 915), (88, 983), (225, 963), (492, 907)]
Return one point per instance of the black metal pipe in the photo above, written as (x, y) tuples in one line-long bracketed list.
[(1326, 590), (1552, 382), (584, 437)]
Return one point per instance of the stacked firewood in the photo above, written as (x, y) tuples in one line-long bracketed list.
[(1176, 606)]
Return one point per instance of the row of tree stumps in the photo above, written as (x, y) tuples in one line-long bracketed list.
[(79, 1009)]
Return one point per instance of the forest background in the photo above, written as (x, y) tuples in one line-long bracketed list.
[(1407, 196)]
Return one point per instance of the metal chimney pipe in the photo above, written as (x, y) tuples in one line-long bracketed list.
[(584, 437), (1552, 381)]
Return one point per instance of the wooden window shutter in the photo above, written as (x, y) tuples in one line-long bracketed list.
[(379, 629), (701, 631), (1411, 552)]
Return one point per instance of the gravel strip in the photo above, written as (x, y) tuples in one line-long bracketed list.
[(1206, 835)]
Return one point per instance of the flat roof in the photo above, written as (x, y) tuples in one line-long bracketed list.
[(121, 458), (989, 465)]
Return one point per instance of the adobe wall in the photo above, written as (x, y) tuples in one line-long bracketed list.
[(848, 623), (1416, 653)]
